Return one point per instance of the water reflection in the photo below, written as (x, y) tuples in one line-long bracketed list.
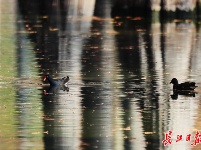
[(186, 94), (120, 69)]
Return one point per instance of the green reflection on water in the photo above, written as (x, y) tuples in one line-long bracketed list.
[(29, 116), (8, 130), (7, 42), (21, 125)]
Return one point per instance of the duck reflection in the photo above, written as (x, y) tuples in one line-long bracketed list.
[(55, 89), (176, 93)]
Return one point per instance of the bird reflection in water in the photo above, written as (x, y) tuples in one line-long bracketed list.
[(175, 94)]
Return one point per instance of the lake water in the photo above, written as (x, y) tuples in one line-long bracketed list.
[(119, 95)]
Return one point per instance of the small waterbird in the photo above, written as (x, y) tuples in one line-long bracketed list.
[(56, 85), (186, 86), (53, 82)]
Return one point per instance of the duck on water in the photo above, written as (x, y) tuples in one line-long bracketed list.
[(53, 82), (186, 86), (55, 85)]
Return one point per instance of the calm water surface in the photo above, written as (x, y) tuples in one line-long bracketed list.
[(119, 94)]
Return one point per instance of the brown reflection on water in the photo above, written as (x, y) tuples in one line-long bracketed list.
[(119, 68)]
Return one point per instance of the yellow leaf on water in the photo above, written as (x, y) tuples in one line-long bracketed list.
[(35, 133), (111, 32), (53, 29), (148, 133)]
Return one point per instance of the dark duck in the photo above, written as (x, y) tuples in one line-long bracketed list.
[(53, 82), (186, 86), (55, 85)]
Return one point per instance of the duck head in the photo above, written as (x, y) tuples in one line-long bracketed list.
[(174, 81), (50, 80)]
